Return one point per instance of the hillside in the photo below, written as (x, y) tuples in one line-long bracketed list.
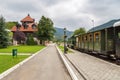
[(60, 33)]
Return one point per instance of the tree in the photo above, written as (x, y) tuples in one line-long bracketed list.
[(9, 25), (3, 34), (79, 31), (45, 29), (30, 40), (19, 36)]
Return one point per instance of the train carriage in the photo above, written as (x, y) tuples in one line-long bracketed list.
[(102, 40)]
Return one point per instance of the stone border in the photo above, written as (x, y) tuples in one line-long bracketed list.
[(71, 72), (2, 75)]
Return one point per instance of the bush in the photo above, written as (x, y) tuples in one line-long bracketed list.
[(30, 40)]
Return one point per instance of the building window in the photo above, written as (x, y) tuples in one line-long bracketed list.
[(25, 25), (33, 26)]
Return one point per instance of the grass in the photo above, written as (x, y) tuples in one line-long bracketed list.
[(62, 49), (22, 49), (7, 61)]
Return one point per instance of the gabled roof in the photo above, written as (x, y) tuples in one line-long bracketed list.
[(103, 26), (27, 18)]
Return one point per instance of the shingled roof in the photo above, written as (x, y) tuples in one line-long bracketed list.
[(29, 29), (27, 18), (103, 26), (31, 25)]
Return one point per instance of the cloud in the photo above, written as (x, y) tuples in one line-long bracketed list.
[(103, 10), (72, 14), (52, 2), (22, 6)]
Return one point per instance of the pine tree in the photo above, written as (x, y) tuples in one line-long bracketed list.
[(3, 34)]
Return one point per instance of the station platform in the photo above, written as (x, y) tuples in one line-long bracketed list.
[(94, 68)]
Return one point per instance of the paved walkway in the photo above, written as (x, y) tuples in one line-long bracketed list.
[(44, 66), (17, 54), (94, 68)]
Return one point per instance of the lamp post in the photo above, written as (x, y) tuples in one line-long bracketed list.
[(93, 34), (65, 41), (93, 23)]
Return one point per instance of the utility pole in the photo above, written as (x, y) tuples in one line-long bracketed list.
[(65, 48)]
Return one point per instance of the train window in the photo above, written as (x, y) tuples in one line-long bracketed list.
[(90, 37), (97, 36), (82, 38), (77, 39), (119, 35), (86, 38)]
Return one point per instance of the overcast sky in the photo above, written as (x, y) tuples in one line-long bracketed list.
[(71, 14)]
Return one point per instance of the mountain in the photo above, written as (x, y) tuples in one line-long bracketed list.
[(60, 33)]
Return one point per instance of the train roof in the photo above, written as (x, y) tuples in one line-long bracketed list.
[(103, 26), (116, 24)]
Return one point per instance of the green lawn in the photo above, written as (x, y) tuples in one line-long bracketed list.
[(62, 49), (7, 61), (22, 49)]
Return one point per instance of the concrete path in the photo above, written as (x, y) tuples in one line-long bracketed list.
[(17, 54), (44, 66), (94, 68)]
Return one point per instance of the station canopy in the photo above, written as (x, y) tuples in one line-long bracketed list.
[(103, 26)]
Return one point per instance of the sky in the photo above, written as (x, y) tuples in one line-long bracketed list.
[(71, 14)]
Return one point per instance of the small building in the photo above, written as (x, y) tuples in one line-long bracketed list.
[(27, 27)]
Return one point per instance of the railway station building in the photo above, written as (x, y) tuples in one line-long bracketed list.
[(26, 28)]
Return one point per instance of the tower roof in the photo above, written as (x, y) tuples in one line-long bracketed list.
[(27, 18)]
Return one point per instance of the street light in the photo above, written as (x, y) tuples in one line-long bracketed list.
[(93, 34), (93, 23), (65, 48)]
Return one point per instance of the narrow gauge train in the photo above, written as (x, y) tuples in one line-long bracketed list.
[(103, 40)]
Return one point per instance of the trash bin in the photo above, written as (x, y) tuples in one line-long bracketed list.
[(14, 52)]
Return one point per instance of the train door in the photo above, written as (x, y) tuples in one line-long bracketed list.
[(97, 44), (82, 44), (90, 42), (86, 44), (103, 42), (77, 42), (117, 31)]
